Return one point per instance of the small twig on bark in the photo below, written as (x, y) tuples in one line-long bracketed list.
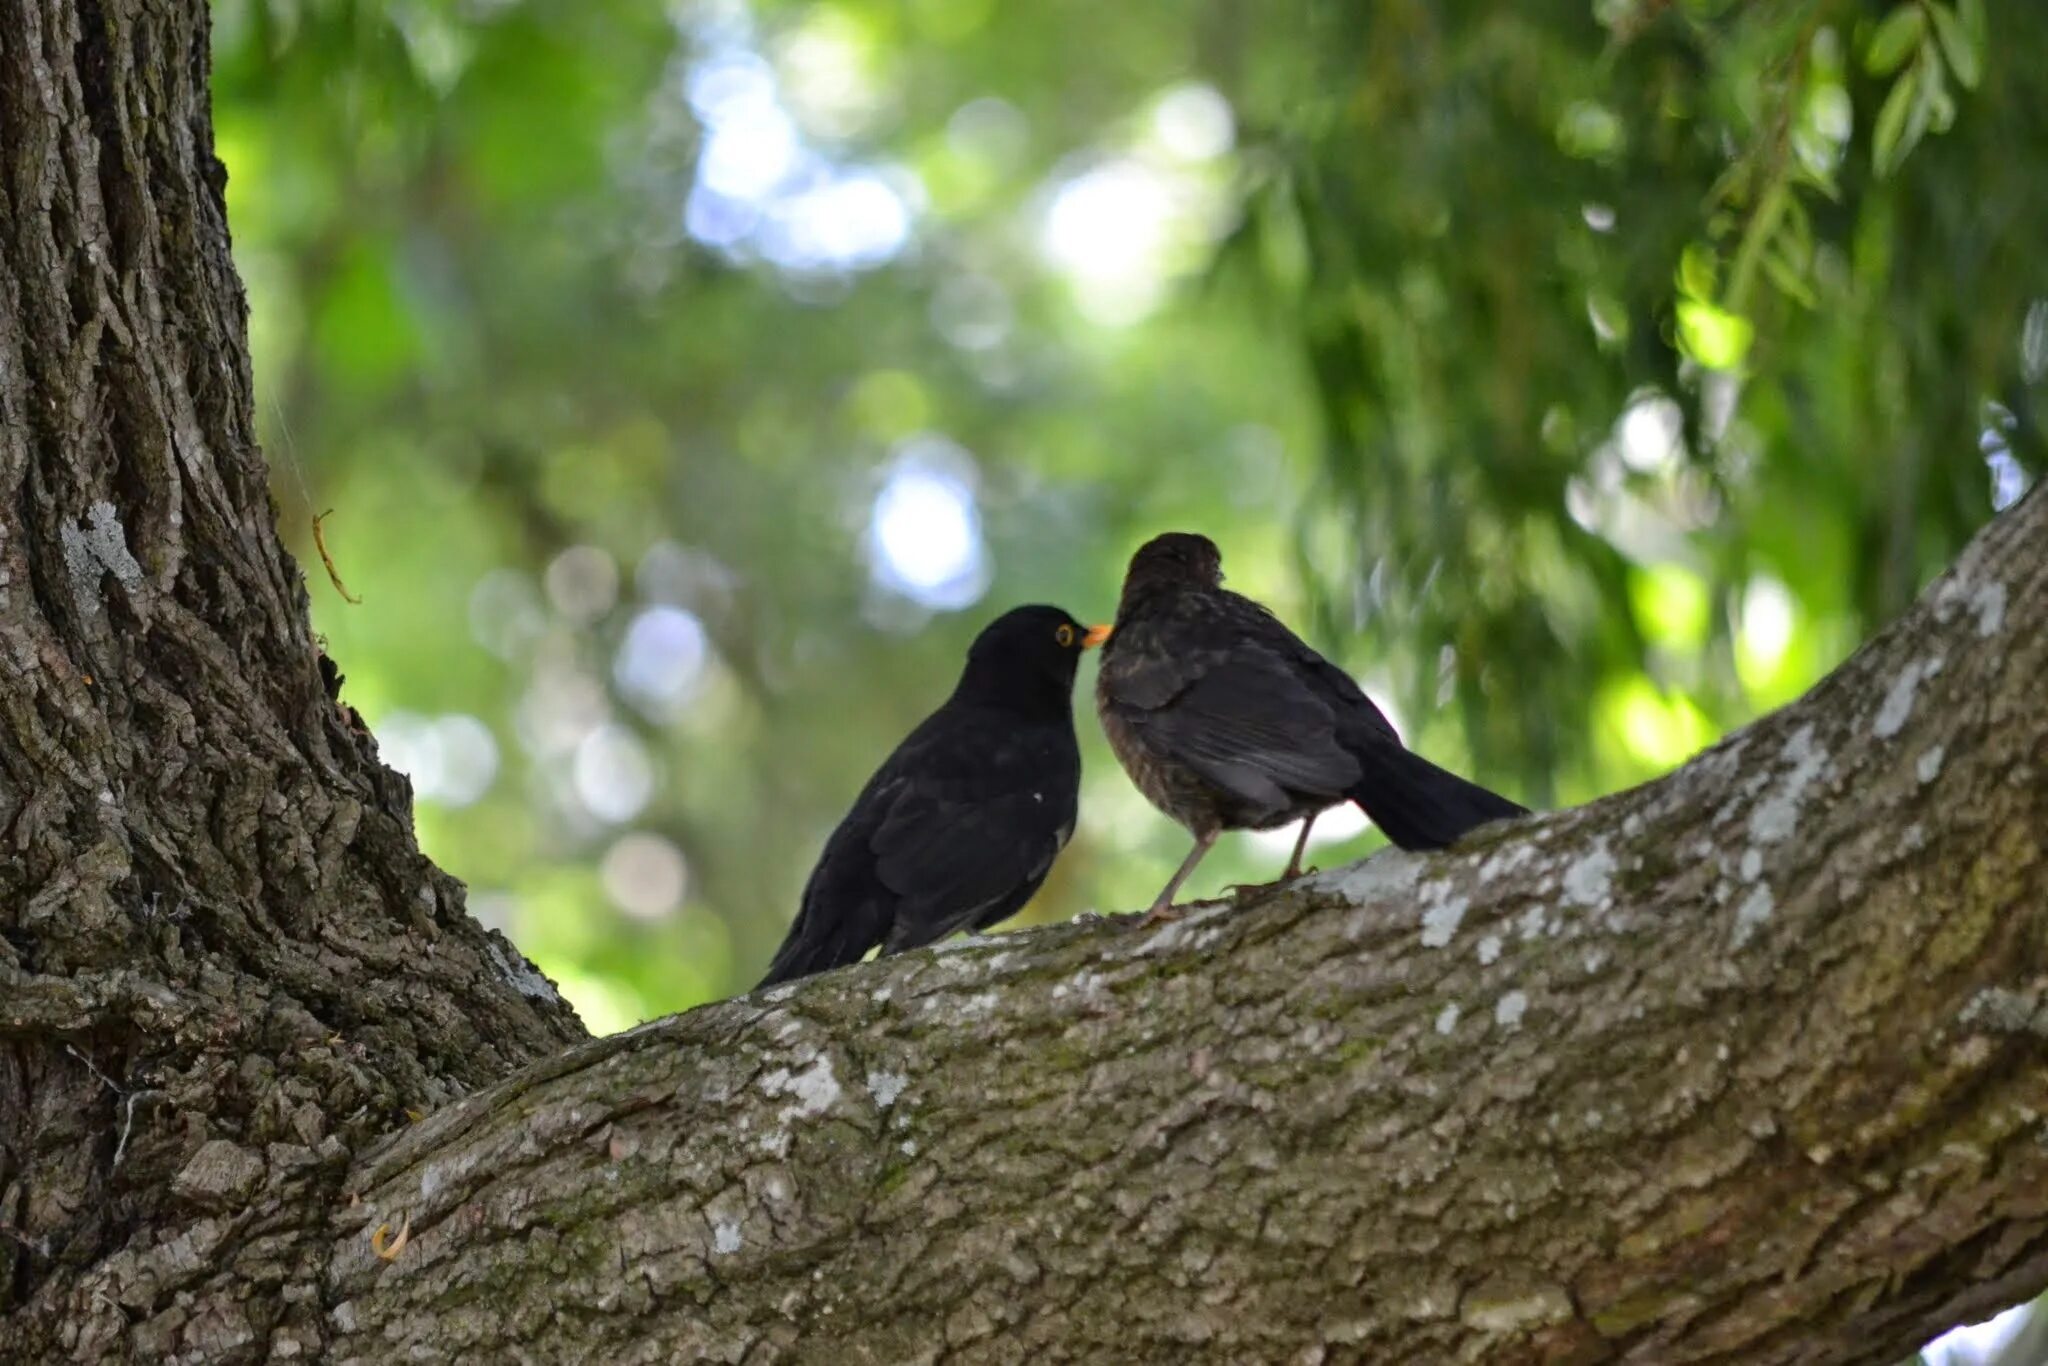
[(128, 1122), (112, 1085), (333, 574)]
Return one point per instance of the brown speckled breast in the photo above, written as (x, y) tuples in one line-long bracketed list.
[(1172, 787)]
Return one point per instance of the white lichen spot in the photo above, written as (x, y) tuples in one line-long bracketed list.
[(522, 976), (1447, 1018), (1509, 1009), (1531, 924), (1753, 914), (2004, 1011), (433, 1179), (962, 944), (1589, 881), (100, 546), (1752, 864), (1441, 918), (1897, 703), (1929, 767), (1489, 949), (1179, 934), (880, 995), (909, 1147), (1988, 602), (1777, 815), (1506, 860), (1389, 873), (1596, 959), (725, 1238), (814, 1089), (886, 1086), (1083, 984), (1503, 1313)]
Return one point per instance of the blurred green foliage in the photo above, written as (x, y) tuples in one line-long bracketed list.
[(689, 383)]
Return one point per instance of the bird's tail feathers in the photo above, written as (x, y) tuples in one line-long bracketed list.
[(1419, 805), (817, 943)]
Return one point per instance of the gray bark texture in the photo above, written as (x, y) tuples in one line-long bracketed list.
[(1745, 1065), (224, 965)]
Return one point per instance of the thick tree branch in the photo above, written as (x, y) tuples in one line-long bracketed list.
[(1743, 1065)]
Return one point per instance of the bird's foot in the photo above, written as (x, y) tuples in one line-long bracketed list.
[(1162, 913)]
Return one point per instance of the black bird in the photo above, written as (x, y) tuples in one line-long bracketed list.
[(959, 826), (1227, 721)]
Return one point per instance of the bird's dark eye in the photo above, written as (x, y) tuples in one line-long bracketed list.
[(1064, 635)]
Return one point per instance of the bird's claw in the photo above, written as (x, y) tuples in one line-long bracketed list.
[(1159, 915)]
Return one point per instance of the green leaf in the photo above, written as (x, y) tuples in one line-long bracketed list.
[(1713, 336), (1941, 107), (1895, 39), (1965, 58), (1696, 271), (1975, 26), (1889, 144), (1790, 280)]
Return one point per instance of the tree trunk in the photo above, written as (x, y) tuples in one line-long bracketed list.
[(1743, 1065), (224, 965)]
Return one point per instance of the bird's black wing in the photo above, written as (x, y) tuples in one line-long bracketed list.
[(845, 910), (967, 842), (1358, 718)]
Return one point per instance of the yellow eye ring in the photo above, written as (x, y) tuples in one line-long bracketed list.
[(1064, 635)]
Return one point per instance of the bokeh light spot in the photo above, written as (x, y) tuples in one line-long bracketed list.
[(613, 776), (644, 875), (582, 582), (451, 760), (660, 664), (1193, 123), (924, 534)]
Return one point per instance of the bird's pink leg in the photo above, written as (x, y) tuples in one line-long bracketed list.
[(1241, 890), (1162, 905), (1300, 847)]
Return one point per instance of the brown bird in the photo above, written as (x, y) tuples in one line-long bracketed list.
[(1227, 721)]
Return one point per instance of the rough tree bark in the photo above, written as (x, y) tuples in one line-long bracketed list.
[(1744, 1065), (223, 961)]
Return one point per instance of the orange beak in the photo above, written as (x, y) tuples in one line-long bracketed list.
[(1094, 636)]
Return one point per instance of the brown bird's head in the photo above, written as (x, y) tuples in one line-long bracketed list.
[(1177, 559)]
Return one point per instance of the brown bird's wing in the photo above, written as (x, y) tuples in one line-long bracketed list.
[(1244, 720)]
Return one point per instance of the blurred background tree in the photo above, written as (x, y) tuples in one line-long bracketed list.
[(688, 384)]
